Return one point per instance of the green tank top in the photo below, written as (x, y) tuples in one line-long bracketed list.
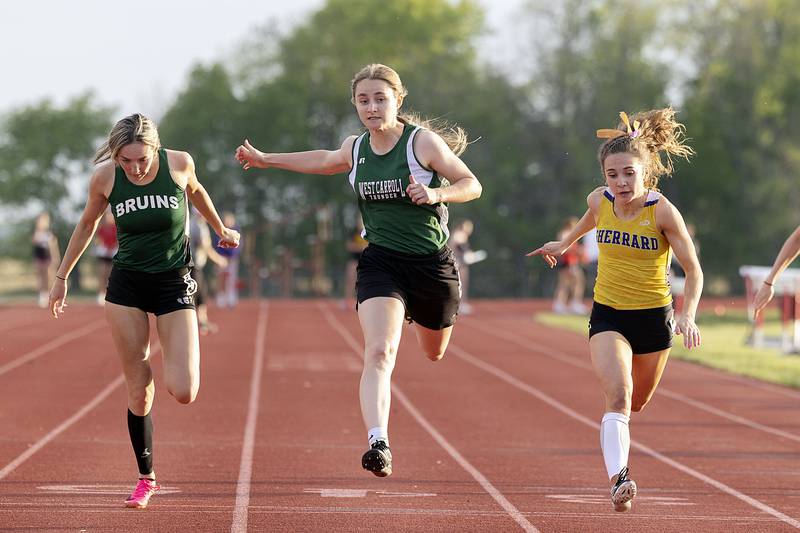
[(152, 221), (391, 219)]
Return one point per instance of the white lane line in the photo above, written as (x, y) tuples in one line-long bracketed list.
[(52, 345), (563, 357), (239, 524), (511, 380), (83, 411), (518, 517), (26, 321), (14, 509), (99, 489), (41, 443), (729, 416), (512, 511), (746, 381)]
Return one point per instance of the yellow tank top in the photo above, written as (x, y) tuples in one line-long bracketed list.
[(634, 259)]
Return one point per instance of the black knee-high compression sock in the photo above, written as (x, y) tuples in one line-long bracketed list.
[(140, 428)]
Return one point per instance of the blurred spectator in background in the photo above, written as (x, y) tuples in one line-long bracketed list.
[(590, 254), (45, 254), (228, 276), (202, 250), (568, 295), (459, 243), (105, 246), (355, 245), (677, 276)]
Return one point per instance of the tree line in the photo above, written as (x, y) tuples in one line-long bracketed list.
[(729, 67)]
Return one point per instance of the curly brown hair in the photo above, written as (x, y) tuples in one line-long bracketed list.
[(658, 132)]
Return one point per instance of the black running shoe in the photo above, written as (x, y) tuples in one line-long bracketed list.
[(378, 459), (623, 491)]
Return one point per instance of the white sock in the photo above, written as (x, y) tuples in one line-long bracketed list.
[(615, 441), (378, 434)]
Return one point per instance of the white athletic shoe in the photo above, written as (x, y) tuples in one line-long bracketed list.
[(623, 491)]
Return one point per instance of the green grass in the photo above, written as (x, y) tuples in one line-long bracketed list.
[(723, 345), (18, 282)]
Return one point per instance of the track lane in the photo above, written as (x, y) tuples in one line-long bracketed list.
[(80, 479), (308, 456), (706, 444), (310, 437)]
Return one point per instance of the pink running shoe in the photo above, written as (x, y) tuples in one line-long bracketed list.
[(141, 494)]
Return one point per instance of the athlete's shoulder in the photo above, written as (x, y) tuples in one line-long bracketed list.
[(346, 151), (599, 191), (104, 170), (179, 161), (429, 148), (661, 202), (347, 143), (666, 213), (102, 179), (425, 137), (655, 197), (596, 196), (658, 196)]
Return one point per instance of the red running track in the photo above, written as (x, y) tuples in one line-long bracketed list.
[(501, 435)]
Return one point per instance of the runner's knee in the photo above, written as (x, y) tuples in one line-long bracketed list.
[(184, 394), (184, 390), (140, 400), (618, 401), (434, 346), (380, 356), (434, 355)]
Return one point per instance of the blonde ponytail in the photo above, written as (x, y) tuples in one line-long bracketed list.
[(131, 129), (653, 132)]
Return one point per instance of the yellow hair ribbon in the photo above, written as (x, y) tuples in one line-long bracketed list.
[(607, 133), (624, 116)]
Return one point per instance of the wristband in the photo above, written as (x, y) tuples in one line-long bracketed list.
[(59, 277), (768, 283)]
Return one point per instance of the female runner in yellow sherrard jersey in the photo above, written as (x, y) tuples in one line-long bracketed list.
[(631, 326)]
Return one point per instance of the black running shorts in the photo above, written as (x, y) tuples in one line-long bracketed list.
[(199, 276), (428, 285), (158, 293), (646, 330)]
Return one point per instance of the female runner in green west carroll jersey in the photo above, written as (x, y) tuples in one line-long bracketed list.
[(407, 270)]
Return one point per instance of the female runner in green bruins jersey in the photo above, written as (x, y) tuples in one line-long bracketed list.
[(147, 188), (407, 270)]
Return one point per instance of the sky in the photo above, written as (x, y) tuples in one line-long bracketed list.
[(58, 49)]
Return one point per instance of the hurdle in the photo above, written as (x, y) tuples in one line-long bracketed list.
[(787, 296)]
